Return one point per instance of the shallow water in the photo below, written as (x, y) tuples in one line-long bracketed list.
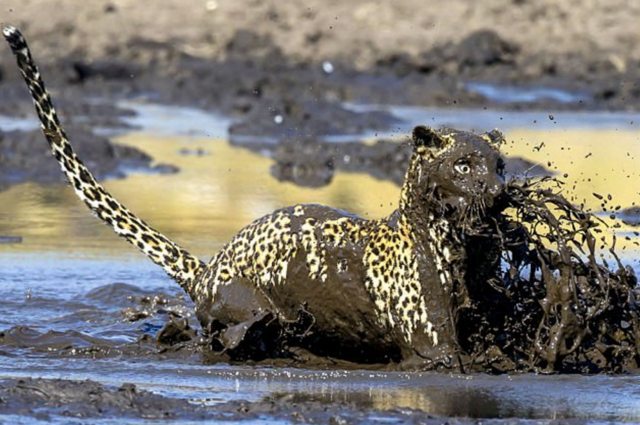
[(61, 277), (515, 94)]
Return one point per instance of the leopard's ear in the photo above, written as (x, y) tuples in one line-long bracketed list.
[(426, 138), (494, 137)]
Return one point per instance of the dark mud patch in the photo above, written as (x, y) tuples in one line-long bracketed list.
[(25, 156), (308, 118), (54, 399), (44, 399)]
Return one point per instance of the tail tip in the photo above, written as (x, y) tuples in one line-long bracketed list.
[(9, 31), (13, 36)]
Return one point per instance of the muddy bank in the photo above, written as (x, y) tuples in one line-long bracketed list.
[(282, 71), (25, 156), (518, 41), (45, 399), (58, 400)]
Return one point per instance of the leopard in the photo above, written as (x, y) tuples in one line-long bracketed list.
[(316, 279)]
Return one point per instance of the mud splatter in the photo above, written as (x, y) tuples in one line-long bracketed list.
[(559, 305)]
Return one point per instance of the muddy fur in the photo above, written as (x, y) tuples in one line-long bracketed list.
[(318, 277)]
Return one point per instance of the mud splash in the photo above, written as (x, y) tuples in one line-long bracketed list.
[(559, 305)]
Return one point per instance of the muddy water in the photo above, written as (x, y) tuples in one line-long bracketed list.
[(67, 286)]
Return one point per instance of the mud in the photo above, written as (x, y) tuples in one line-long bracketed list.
[(313, 162), (24, 156), (57, 400), (152, 325), (565, 302), (45, 398), (283, 71)]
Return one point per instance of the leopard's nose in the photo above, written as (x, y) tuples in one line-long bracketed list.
[(496, 186), (495, 189), (492, 188)]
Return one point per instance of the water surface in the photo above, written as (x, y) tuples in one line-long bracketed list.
[(62, 276)]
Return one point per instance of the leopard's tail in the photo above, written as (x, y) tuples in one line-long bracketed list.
[(177, 262)]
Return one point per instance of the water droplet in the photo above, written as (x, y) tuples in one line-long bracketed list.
[(327, 67)]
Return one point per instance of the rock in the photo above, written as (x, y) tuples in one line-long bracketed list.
[(485, 47)]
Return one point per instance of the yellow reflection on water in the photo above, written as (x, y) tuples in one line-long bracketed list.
[(215, 195), (201, 207), (604, 162)]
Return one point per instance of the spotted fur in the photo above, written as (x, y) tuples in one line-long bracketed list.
[(262, 252), (408, 265)]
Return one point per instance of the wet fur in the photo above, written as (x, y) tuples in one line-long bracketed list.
[(316, 277)]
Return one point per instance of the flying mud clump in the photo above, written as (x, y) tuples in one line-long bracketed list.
[(558, 305)]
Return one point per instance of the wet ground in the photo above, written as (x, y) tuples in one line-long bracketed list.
[(79, 304), (285, 71), (297, 86)]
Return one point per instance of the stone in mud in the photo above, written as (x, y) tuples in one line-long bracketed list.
[(176, 331)]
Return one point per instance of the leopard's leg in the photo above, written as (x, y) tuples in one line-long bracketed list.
[(177, 262)]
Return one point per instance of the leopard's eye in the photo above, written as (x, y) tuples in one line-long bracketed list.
[(462, 167)]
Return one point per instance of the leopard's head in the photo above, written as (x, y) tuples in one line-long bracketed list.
[(457, 175)]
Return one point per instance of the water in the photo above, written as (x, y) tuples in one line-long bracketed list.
[(17, 124), (70, 278), (517, 94), (487, 119), (165, 120)]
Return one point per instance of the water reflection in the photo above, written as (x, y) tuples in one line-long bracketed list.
[(201, 207), (215, 195)]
